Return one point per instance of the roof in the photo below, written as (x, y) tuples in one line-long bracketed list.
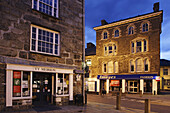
[(90, 51), (164, 62), (127, 20)]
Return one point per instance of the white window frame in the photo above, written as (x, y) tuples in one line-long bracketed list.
[(138, 66), (144, 29), (146, 60), (134, 49), (22, 97), (88, 61), (113, 51), (57, 8), (110, 67), (131, 30), (132, 62), (36, 48), (63, 85), (116, 67)]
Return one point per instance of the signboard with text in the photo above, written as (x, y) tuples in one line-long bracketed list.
[(16, 83), (114, 83)]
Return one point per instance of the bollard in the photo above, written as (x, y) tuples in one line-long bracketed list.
[(118, 98), (147, 106)]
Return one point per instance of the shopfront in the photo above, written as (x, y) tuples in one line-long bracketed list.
[(146, 83), (36, 85)]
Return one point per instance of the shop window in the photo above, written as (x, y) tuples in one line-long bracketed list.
[(105, 35), (165, 71), (104, 68), (88, 62), (110, 67), (130, 30), (21, 84), (115, 67), (146, 65), (139, 65), (49, 7), (44, 41), (167, 82), (132, 66), (114, 85), (145, 27), (117, 33), (63, 84), (138, 46)]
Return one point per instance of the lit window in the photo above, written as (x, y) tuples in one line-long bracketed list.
[(145, 27), (110, 67), (130, 31), (165, 71), (115, 67), (63, 84), (105, 68), (44, 41), (139, 65), (131, 66), (146, 63), (116, 33), (133, 47), (110, 49), (138, 46), (88, 62), (21, 84), (105, 35), (49, 7), (167, 82), (145, 45)]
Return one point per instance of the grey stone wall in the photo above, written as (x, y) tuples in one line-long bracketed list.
[(15, 22)]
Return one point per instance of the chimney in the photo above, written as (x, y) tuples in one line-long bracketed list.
[(90, 45), (103, 22), (156, 7)]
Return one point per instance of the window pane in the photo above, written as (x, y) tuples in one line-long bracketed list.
[(165, 71), (26, 84), (60, 84), (104, 67), (56, 38), (138, 44), (17, 84), (66, 83)]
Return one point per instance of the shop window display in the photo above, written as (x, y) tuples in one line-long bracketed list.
[(63, 84)]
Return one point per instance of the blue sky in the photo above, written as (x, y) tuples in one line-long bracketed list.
[(112, 10)]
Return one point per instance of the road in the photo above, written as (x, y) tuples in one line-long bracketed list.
[(156, 106)]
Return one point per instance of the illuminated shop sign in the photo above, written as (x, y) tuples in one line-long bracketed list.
[(114, 83), (134, 76)]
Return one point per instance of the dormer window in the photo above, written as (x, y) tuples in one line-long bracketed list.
[(117, 33), (105, 35), (145, 27), (130, 30)]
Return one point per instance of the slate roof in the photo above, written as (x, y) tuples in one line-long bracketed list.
[(164, 62), (90, 51)]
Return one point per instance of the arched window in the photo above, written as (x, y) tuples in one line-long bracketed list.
[(105, 35), (115, 67), (117, 33), (138, 65), (146, 65), (145, 27), (130, 30), (110, 67), (104, 67), (132, 66)]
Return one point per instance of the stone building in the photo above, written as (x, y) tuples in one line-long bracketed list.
[(164, 74), (127, 55), (41, 51)]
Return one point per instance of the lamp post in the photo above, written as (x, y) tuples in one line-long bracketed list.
[(83, 76)]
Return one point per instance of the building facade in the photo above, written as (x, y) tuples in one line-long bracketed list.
[(164, 74), (127, 55), (41, 51)]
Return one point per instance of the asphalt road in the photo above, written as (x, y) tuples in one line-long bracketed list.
[(129, 103)]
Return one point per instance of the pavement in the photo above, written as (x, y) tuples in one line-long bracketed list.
[(101, 107)]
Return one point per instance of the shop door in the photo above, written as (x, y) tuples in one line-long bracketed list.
[(147, 85), (102, 85), (42, 88), (133, 86)]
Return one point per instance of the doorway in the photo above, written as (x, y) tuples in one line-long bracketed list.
[(147, 86), (42, 88), (102, 85)]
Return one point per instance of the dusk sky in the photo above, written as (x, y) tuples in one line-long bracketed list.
[(113, 10)]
